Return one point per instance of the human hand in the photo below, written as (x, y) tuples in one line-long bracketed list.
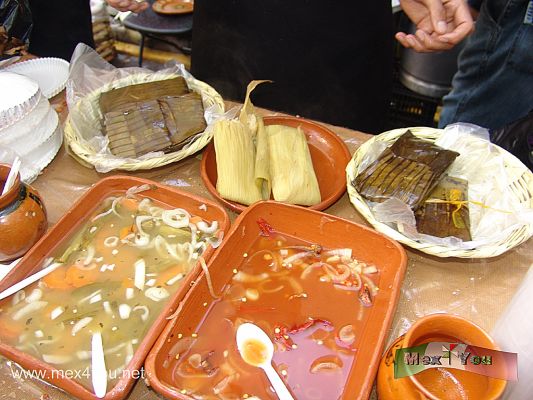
[(129, 5), (441, 24)]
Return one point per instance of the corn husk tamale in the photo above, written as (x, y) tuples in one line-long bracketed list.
[(445, 212), (291, 168), (408, 170), (115, 99), (250, 118), (184, 117), (235, 156)]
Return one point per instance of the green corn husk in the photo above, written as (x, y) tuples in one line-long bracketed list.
[(293, 177), (235, 156)]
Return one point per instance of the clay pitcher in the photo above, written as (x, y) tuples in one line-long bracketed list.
[(22, 217)]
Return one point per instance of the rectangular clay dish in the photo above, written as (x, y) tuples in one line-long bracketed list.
[(311, 226), (65, 227)]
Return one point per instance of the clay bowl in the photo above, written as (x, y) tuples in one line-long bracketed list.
[(63, 231), (431, 384), (328, 153), (313, 227)]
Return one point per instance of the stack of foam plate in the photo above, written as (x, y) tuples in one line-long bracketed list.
[(29, 127)]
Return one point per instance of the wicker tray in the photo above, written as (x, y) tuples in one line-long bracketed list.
[(88, 109), (521, 189)]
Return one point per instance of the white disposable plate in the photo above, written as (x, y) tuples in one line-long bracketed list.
[(50, 73), (18, 96)]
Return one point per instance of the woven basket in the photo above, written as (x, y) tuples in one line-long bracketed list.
[(520, 189), (89, 110)]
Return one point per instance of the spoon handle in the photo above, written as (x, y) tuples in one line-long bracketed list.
[(278, 384)]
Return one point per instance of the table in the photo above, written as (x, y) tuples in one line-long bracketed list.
[(153, 25), (478, 290)]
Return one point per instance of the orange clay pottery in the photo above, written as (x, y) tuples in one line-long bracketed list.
[(22, 217), (438, 383)]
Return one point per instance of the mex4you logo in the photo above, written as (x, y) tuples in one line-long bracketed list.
[(488, 362)]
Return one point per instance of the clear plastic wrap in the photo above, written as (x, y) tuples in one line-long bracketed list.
[(494, 211), (90, 75)]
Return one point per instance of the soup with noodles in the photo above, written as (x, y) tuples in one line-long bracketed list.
[(114, 277)]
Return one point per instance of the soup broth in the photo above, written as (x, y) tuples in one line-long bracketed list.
[(114, 276), (312, 302)]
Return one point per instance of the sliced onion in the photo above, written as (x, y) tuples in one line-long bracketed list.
[(79, 325), (18, 297), (195, 360), (102, 215), (180, 346), (156, 294), (138, 189), (206, 228), (249, 278), (215, 241), (144, 204), (35, 295), (265, 289), (56, 359), (145, 310), (326, 364), (28, 309), (90, 255), (124, 311), (111, 241), (208, 278), (305, 273), (56, 312), (140, 273), (334, 274), (177, 218), (347, 334), (297, 256), (339, 252), (370, 269)]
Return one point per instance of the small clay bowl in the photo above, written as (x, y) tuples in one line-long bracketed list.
[(328, 153), (432, 384)]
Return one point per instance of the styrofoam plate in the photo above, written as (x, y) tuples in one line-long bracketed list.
[(50, 73)]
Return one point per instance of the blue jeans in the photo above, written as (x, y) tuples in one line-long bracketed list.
[(494, 83)]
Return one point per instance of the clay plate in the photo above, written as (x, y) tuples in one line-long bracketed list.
[(312, 226), (172, 7), (328, 153), (62, 231)]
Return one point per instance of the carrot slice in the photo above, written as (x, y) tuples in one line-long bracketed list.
[(129, 204), (56, 279), (80, 277), (169, 273)]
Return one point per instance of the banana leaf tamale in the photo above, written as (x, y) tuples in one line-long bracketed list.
[(445, 212), (291, 168), (184, 117), (408, 170), (235, 156), (137, 130), (114, 99)]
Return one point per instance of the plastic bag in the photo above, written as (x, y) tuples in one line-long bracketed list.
[(15, 27), (89, 76)]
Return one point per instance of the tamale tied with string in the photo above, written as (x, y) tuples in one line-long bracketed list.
[(445, 212)]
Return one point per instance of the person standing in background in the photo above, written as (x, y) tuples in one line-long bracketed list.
[(494, 84), (59, 25)]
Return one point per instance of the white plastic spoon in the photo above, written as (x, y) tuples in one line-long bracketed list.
[(12, 175), (98, 368), (257, 349)]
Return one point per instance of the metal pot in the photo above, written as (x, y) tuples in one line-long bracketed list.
[(429, 74)]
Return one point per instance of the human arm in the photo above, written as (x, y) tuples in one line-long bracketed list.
[(441, 24), (128, 5)]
